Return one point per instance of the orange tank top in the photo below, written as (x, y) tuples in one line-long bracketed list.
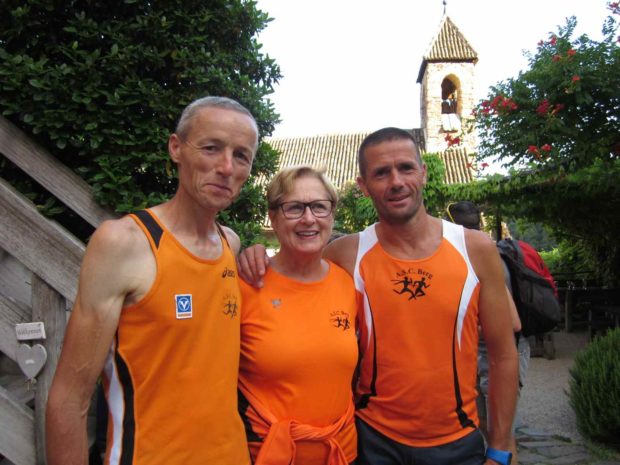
[(298, 356), (171, 374), (418, 341)]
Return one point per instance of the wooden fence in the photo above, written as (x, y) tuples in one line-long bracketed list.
[(39, 266)]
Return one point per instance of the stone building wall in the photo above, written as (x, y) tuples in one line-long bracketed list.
[(463, 75)]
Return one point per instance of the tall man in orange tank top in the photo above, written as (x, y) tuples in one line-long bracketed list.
[(426, 285), (157, 313)]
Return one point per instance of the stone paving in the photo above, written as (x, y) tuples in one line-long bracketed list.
[(539, 448)]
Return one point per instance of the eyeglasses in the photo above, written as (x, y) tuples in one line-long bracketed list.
[(295, 210)]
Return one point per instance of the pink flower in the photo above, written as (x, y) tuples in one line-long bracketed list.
[(576, 78), (571, 52), (532, 149), (496, 101), (543, 107), (553, 40), (556, 58), (484, 165), (546, 148)]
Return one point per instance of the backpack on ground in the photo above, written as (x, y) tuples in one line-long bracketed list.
[(533, 290)]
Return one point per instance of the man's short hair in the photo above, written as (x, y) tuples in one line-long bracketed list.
[(465, 213), (384, 135), (283, 183), (209, 102)]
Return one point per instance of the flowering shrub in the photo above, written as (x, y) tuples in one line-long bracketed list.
[(556, 128), (563, 109)]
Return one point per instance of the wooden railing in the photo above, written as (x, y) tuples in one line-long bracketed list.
[(39, 267)]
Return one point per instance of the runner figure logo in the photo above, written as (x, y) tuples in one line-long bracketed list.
[(412, 282), (231, 308), (340, 320)]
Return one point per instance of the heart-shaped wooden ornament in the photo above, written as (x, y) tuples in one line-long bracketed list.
[(31, 359)]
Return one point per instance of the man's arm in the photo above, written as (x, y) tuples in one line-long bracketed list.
[(514, 314), (110, 269), (496, 324), (343, 252)]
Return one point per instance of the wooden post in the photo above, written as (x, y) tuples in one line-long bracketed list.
[(569, 304), (498, 227), (49, 307)]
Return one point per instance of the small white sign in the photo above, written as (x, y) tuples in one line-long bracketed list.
[(29, 331)]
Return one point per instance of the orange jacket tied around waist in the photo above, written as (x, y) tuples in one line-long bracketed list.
[(280, 436)]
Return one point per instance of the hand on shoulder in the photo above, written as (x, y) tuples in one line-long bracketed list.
[(252, 264)]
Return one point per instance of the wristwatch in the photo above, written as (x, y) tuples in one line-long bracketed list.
[(503, 457)]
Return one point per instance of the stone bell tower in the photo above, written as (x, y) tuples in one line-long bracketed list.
[(447, 92)]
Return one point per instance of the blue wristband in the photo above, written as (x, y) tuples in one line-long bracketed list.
[(502, 457)]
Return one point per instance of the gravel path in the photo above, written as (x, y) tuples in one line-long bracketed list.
[(544, 401)]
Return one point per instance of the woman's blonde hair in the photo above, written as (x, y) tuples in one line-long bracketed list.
[(282, 184)]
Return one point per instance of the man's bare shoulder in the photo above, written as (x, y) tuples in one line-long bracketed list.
[(118, 245), (232, 238), (343, 251), (121, 236), (478, 241), (482, 253), (118, 264)]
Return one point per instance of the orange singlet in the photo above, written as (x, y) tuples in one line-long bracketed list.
[(171, 374), (298, 355), (418, 341)]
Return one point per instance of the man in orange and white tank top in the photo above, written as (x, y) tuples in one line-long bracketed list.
[(157, 313), (426, 285)]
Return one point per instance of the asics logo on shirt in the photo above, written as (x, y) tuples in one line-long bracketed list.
[(228, 273)]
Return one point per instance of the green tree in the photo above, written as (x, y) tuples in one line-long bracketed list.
[(100, 85), (355, 211), (534, 234), (435, 189), (557, 127)]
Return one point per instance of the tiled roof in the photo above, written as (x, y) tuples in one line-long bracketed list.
[(458, 165), (337, 153), (449, 45)]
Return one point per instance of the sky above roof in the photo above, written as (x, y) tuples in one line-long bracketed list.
[(351, 65)]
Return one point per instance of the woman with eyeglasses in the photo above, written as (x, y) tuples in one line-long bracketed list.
[(298, 343)]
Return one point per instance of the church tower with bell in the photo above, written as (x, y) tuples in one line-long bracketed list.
[(447, 78), (447, 100)]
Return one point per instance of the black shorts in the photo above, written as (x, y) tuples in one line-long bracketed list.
[(374, 448)]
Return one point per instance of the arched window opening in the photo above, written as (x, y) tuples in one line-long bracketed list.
[(449, 96), (450, 120)]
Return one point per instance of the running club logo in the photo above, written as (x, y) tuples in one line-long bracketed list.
[(340, 320), (231, 308), (412, 282)]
